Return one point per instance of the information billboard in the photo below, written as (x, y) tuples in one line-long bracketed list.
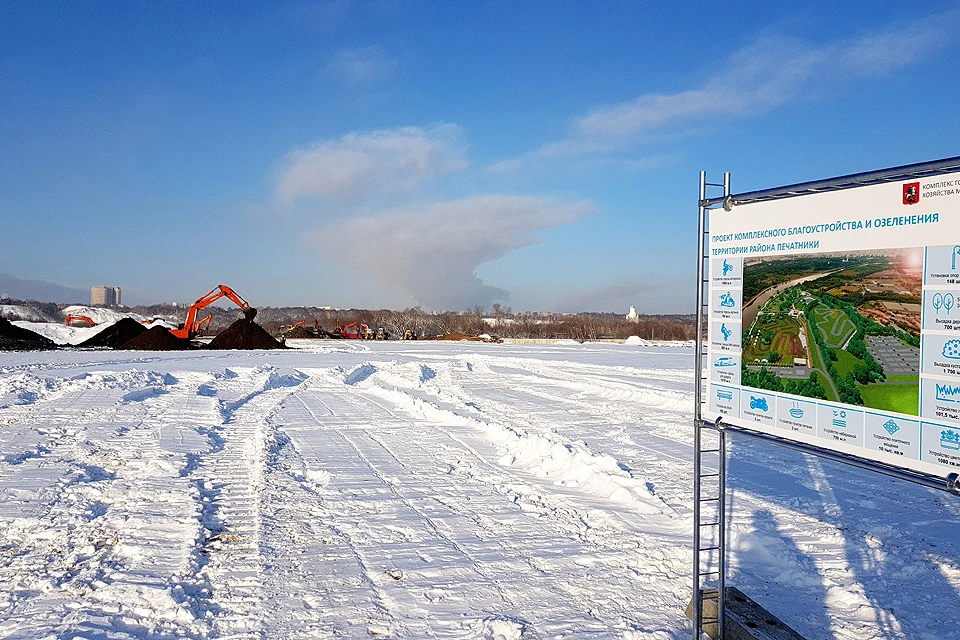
[(834, 320)]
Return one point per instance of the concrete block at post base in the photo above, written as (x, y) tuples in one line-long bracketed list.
[(744, 619)]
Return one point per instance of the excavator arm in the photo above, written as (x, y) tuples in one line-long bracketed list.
[(191, 327), (71, 319)]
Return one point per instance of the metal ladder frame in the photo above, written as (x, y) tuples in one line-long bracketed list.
[(710, 455)]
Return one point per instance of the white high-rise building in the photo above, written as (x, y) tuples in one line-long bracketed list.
[(104, 296)]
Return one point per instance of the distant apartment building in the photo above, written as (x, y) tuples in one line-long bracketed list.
[(104, 296)]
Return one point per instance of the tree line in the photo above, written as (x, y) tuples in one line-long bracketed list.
[(499, 320)]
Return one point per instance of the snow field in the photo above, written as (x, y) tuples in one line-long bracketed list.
[(422, 491)]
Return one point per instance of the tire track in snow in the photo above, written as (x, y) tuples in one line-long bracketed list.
[(230, 479), (538, 450), (399, 531), (518, 400), (102, 452), (666, 566), (318, 557), (498, 495)]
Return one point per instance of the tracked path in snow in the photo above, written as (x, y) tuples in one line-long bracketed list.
[(419, 491), (429, 525), (376, 498), (101, 518)]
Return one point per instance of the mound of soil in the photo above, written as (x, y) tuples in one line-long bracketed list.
[(14, 338), (156, 339), (244, 334), (299, 333), (456, 337), (120, 332)]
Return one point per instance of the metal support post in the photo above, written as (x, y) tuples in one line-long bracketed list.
[(709, 525)]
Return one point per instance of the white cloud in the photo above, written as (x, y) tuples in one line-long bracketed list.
[(769, 73), (432, 250), (366, 65), (362, 167), (347, 192)]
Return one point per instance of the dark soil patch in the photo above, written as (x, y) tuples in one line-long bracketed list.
[(14, 338), (300, 333), (115, 335), (156, 339), (244, 334), (456, 337)]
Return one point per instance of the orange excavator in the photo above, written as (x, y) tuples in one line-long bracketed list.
[(71, 319), (192, 326), (351, 331)]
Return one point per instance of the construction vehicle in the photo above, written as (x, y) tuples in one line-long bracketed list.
[(354, 330), (191, 326), (299, 329), (71, 318), (203, 324)]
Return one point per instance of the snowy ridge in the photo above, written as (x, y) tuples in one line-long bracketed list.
[(61, 333), (101, 315), (19, 312), (546, 454)]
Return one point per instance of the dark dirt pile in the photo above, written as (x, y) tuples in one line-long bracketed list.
[(119, 333), (14, 338), (244, 334), (455, 337), (300, 333), (156, 339)]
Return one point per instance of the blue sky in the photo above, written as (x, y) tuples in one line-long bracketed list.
[(388, 154)]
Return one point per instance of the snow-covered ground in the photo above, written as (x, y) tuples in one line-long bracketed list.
[(103, 315), (100, 315), (424, 490), (20, 312), (61, 333)]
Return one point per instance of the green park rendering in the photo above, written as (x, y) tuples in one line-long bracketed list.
[(838, 327)]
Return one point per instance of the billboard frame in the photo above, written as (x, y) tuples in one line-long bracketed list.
[(712, 549)]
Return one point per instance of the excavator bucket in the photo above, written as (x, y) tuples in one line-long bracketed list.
[(250, 313)]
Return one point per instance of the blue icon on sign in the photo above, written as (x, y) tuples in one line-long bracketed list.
[(951, 349), (948, 392), (950, 439), (953, 258), (727, 267), (726, 300), (724, 394), (840, 418), (758, 403), (891, 426), (796, 411), (725, 361), (727, 333), (939, 301)]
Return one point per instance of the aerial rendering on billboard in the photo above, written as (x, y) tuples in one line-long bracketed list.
[(834, 320)]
